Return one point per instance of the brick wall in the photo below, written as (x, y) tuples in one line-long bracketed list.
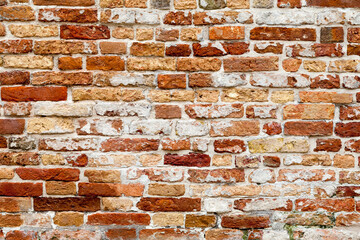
[(181, 119)]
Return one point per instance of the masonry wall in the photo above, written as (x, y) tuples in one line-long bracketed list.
[(181, 119)]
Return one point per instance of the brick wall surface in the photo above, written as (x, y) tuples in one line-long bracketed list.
[(180, 119)]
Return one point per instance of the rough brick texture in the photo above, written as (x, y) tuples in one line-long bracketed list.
[(180, 119)]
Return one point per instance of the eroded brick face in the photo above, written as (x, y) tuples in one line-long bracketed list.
[(179, 119)]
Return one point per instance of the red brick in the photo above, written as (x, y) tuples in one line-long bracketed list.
[(65, 2), (27, 94), (118, 219), (308, 128), (50, 174), (24, 189), (79, 204), (328, 145), (170, 81), (16, 46), (167, 111), (282, 33), (333, 3), (216, 176), (331, 34), (351, 129), (178, 18), (236, 48), (229, 145), (105, 63), (178, 50), (70, 63), (169, 204), (113, 47), (3, 142), (68, 15), (121, 233), (245, 221), (353, 49), (92, 32), (147, 49), (251, 64), (188, 160), (331, 205), (200, 80), (353, 35), (110, 189), (14, 77), (12, 126), (129, 145)]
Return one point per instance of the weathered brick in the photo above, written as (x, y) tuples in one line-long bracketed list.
[(17, 13), (27, 61), (61, 78), (33, 30), (216, 176), (227, 33), (68, 15)]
